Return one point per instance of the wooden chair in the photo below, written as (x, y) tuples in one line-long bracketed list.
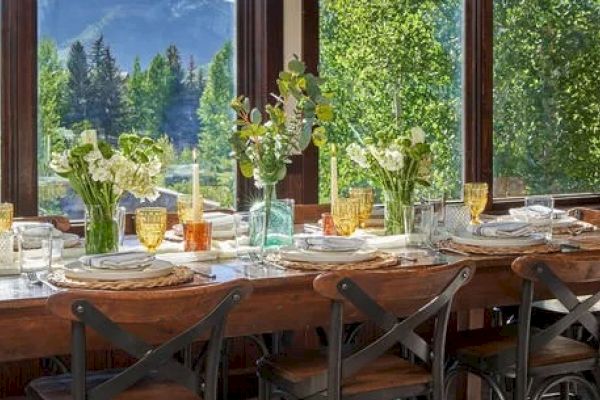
[(370, 373), (540, 359), (156, 374)]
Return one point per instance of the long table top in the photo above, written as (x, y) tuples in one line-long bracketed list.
[(282, 299)]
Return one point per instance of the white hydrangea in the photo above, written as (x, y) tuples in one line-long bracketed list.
[(417, 135), (89, 137), (358, 155), (60, 163), (392, 159)]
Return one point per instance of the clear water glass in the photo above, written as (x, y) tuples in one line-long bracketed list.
[(418, 224), (7, 259), (241, 226), (539, 211), (35, 248), (120, 217)]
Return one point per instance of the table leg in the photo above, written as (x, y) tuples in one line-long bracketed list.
[(469, 388)]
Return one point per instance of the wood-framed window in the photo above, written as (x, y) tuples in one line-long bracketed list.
[(521, 64)]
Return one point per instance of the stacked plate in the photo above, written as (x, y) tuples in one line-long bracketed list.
[(328, 250), (118, 267)]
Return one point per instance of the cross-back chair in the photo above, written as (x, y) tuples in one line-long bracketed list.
[(156, 374), (370, 373), (543, 359)]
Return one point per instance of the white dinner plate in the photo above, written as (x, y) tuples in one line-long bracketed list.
[(469, 239), (319, 257), (156, 269)]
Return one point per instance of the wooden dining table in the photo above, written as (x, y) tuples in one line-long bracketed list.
[(282, 300)]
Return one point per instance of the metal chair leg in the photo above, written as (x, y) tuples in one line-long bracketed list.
[(492, 384), (264, 389), (579, 380)]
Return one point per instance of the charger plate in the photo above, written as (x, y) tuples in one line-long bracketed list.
[(178, 276), (500, 251), (380, 261), (468, 239)]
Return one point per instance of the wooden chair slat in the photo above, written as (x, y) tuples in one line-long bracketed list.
[(147, 306)]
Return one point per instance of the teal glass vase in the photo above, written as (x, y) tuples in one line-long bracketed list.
[(275, 218)]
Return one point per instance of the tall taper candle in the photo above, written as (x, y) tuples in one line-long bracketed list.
[(334, 175), (196, 196)]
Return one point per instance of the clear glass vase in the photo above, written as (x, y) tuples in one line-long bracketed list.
[(395, 199), (101, 229), (273, 216)]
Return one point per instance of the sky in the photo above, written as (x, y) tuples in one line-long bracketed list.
[(140, 27)]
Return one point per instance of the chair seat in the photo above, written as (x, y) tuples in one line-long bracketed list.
[(481, 344), (385, 374), (59, 388)]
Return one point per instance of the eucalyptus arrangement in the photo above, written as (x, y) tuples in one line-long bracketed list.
[(398, 160), (264, 142), (101, 174)]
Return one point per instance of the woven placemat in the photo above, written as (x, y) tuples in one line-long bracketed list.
[(177, 277), (500, 251), (383, 260)]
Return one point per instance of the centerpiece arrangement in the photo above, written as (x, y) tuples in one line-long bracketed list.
[(263, 143), (398, 160), (101, 174)]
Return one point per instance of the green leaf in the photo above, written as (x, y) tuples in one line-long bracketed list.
[(296, 66)]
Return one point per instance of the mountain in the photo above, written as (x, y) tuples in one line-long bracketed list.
[(140, 27)]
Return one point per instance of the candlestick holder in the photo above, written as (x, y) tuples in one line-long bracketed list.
[(197, 235)]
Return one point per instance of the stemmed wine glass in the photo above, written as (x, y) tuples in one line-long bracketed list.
[(476, 196), (150, 226)]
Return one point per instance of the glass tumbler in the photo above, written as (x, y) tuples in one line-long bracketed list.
[(539, 212), (35, 248), (6, 216), (418, 224)]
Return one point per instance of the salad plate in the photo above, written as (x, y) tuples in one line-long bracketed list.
[(320, 257), (469, 239), (155, 269)]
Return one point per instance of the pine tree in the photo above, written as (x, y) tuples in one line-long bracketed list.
[(160, 84), (215, 113), (174, 60), (139, 116), (78, 86), (106, 92)]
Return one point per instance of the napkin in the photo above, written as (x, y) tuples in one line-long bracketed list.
[(332, 243), (501, 229), (127, 260), (188, 257), (387, 242), (537, 211)]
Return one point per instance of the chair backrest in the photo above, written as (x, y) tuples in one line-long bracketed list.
[(421, 294), (104, 311), (559, 273)]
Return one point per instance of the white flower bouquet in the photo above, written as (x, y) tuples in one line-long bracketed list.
[(100, 175), (398, 165)]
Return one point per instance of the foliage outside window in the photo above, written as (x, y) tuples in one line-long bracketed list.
[(546, 97), (368, 48), (104, 65)]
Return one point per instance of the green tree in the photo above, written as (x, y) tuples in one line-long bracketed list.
[(547, 94), (78, 85), (371, 47), (106, 94), (53, 80), (139, 114), (159, 91), (216, 117)]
